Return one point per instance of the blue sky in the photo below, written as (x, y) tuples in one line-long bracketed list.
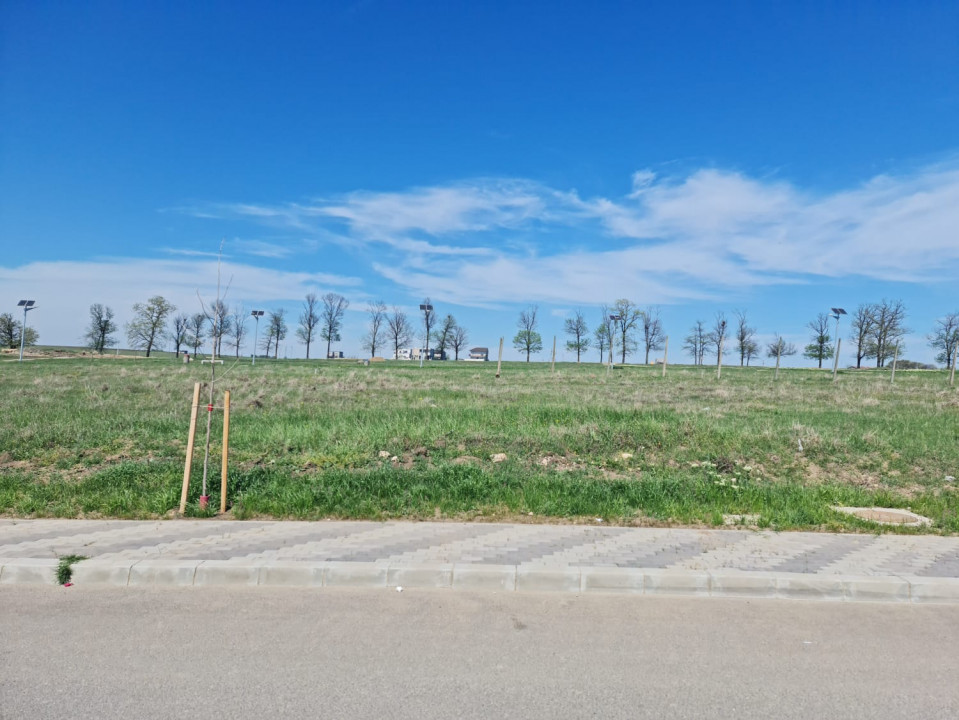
[(774, 158)]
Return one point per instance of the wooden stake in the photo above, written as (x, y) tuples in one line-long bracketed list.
[(665, 354), (895, 360), (226, 450), (189, 447), (835, 366), (552, 367), (719, 359), (778, 353), (499, 363), (952, 375)]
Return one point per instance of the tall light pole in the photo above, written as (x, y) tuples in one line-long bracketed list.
[(427, 309), (837, 313), (27, 306), (612, 340), (257, 314)]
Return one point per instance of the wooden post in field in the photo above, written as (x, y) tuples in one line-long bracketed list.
[(719, 359), (226, 450), (189, 447), (952, 375), (835, 365), (665, 354), (499, 363), (895, 360), (779, 348), (552, 367)]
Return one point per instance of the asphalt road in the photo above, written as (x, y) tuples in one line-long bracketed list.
[(252, 653)]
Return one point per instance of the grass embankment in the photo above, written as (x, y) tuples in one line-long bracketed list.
[(86, 437)]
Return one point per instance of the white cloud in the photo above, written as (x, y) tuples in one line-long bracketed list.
[(65, 290), (488, 241)]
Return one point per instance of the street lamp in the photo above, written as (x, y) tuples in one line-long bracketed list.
[(427, 309), (837, 313), (612, 339), (27, 306), (257, 314)]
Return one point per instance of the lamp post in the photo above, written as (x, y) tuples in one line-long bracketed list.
[(837, 313), (257, 314), (612, 340), (427, 309), (27, 306)]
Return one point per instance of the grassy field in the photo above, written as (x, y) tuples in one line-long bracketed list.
[(98, 437)]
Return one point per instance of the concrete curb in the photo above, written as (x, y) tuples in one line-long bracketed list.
[(500, 578)]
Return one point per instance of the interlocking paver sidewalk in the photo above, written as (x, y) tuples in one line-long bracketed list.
[(572, 558)]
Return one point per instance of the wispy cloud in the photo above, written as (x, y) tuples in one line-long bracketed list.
[(66, 288), (669, 239)]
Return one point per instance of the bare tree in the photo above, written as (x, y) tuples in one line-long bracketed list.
[(377, 314), (603, 333), (398, 330), (578, 333), (695, 342), (308, 322), (527, 339), (181, 332), (745, 342), (197, 322), (819, 349), (716, 337), (102, 327), (945, 338), (334, 305), (277, 330), (238, 329), (625, 327), (779, 347), (653, 335), (148, 326), (458, 340), (862, 321), (219, 318), (887, 330), (444, 333)]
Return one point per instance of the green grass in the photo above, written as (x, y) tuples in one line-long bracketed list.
[(89, 437), (65, 567)]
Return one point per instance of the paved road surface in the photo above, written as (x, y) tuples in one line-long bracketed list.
[(348, 653)]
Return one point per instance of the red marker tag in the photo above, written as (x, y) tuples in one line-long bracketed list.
[(209, 408)]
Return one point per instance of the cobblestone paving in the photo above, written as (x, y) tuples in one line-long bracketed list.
[(530, 546)]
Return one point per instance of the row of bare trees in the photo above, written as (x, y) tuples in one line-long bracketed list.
[(876, 331)]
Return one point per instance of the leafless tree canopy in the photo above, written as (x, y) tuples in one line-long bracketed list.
[(945, 339), (578, 332), (780, 348), (458, 340), (444, 333), (653, 335), (309, 319), (334, 305), (398, 330), (887, 331), (376, 312), (237, 328), (195, 339), (695, 343), (181, 332), (624, 328), (746, 344), (716, 338)]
